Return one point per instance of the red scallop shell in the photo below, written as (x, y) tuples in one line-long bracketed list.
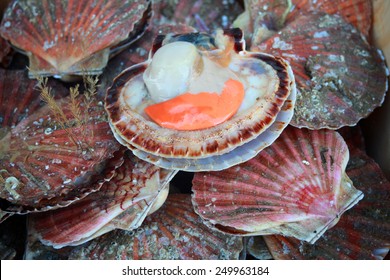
[(362, 233), (340, 77), (49, 165), (69, 37), (173, 232), (295, 187), (123, 202)]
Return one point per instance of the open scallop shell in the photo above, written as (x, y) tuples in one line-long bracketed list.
[(65, 38), (340, 77), (296, 187), (362, 233), (173, 232), (48, 160), (123, 202), (206, 149)]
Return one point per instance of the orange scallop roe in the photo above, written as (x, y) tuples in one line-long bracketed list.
[(198, 111)]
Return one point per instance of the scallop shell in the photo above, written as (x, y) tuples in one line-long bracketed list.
[(65, 38), (363, 233), (174, 232), (49, 160), (207, 149), (123, 202), (263, 18), (340, 77), (257, 248), (296, 187)]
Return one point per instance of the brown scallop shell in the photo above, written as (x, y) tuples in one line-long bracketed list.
[(362, 233), (138, 133), (123, 202), (5, 52), (173, 232), (49, 162), (69, 37), (296, 187), (340, 77)]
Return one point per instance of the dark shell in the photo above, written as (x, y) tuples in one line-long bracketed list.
[(173, 232), (48, 162), (340, 77), (362, 233), (122, 202), (295, 187), (204, 15), (69, 37), (5, 52)]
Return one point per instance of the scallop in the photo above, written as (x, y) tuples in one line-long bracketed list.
[(296, 187), (67, 38), (137, 189), (363, 233), (243, 101)]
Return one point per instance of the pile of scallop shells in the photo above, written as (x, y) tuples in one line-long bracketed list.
[(190, 129)]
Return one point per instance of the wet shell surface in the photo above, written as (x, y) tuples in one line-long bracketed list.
[(173, 232), (123, 202), (363, 233), (262, 18), (270, 100), (64, 38), (296, 187), (49, 159), (340, 77)]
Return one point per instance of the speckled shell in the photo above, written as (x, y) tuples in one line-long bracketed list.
[(340, 77), (362, 233), (123, 202), (262, 18), (46, 165), (174, 149), (296, 187), (174, 232), (69, 37)]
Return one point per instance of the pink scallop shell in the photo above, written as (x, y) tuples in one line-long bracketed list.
[(47, 168), (122, 202), (340, 77), (362, 233), (174, 232), (69, 37), (296, 187)]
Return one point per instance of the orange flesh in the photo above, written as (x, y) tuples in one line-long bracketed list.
[(198, 111)]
